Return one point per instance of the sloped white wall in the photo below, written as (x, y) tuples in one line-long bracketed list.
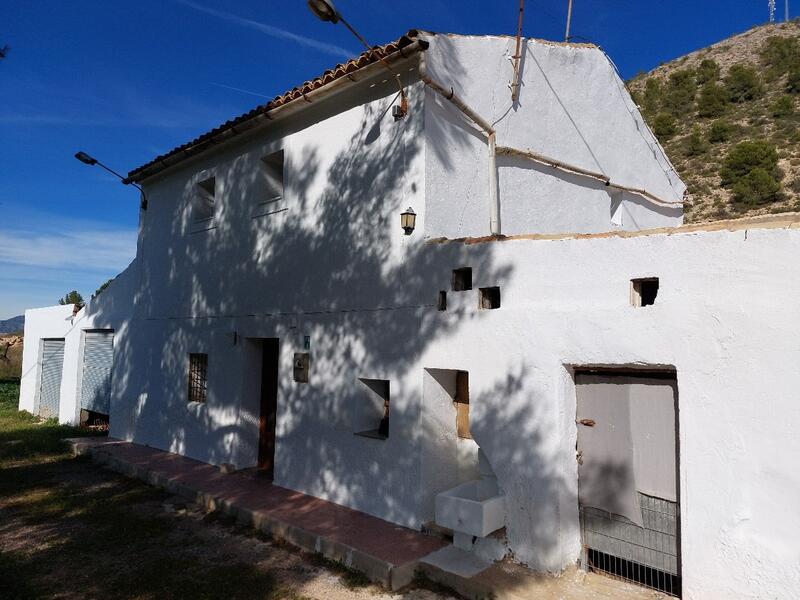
[(572, 107)]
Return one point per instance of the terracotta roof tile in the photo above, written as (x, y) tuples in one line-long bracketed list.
[(205, 140)]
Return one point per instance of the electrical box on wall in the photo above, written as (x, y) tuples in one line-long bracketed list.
[(301, 362)]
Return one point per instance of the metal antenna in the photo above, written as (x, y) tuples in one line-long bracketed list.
[(569, 20), (771, 11), (787, 11)]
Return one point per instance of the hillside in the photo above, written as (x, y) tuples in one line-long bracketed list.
[(728, 116), (10, 356), (12, 325)]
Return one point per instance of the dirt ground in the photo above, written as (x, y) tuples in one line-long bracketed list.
[(195, 554), (70, 529)]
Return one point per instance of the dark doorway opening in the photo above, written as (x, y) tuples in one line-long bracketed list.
[(269, 407)]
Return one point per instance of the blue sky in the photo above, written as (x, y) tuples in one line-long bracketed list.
[(127, 80)]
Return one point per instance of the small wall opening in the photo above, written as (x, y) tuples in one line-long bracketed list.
[(204, 200), (462, 279), (461, 401), (644, 291), (273, 176), (198, 377), (489, 298), (372, 418), (441, 303)]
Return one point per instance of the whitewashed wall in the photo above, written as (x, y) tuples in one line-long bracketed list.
[(112, 309), (572, 107), (334, 265), (729, 325), (40, 323)]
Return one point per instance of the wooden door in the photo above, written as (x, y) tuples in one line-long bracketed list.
[(269, 407)]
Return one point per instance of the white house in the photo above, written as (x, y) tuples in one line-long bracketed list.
[(545, 362)]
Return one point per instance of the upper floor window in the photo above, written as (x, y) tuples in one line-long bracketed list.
[(204, 200), (273, 176)]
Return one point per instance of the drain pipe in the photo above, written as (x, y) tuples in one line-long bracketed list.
[(450, 96)]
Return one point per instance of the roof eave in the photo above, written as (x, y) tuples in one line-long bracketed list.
[(235, 128)]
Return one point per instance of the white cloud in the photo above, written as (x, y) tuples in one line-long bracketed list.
[(44, 255), (271, 30), (90, 250)]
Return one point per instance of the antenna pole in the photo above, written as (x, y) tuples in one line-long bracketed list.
[(787, 11), (569, 20), (517, 54)]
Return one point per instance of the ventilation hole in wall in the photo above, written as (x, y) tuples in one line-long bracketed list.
[(644, 291), (461, 401), (489, 298), (462, 279), (441, 303), (372, 418)]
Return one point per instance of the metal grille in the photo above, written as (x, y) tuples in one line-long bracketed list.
[(198, 377), (50, 387), (645, 555), (98, 356)]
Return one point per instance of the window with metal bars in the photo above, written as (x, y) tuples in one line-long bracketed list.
[(198, 377)]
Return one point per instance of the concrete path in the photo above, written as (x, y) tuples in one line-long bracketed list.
[(386, 553)]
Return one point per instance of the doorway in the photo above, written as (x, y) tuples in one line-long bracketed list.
[(628, 476), (268, 406), (52, 364)]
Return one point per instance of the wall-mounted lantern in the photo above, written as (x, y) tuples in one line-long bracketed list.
[(408, 220)]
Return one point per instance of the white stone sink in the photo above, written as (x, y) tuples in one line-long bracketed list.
[(475, 508)]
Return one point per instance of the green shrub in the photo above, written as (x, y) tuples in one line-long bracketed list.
[(747, 156), (679, 93), (757, 187), (651, 101), (713, 100), (743, 83), (782, 107), (707, 72), (694, 144), (720, 131), (781, 53), (664, 126), (793, 81)]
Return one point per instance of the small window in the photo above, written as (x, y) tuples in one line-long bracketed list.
[(441, 303), (273, 176), (644, 291), (489, 298), (461, 401), (373, 415), (462, 279), (204, 200), (198, 377)]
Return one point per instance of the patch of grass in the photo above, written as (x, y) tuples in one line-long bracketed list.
[(26, 438)]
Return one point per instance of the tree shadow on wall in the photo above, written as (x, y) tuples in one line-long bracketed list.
[(331, 264)]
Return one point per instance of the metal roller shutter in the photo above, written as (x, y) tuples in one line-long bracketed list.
[(50, 388), (98, 356)]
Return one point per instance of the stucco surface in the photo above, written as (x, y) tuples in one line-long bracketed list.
[(49, 322), (573, 107)]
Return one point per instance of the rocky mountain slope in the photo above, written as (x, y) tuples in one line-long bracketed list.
[(728, 116), (12, 325)]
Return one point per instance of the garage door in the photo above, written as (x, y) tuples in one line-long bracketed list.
[(50, 387), (627, 476), (98, 356)]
